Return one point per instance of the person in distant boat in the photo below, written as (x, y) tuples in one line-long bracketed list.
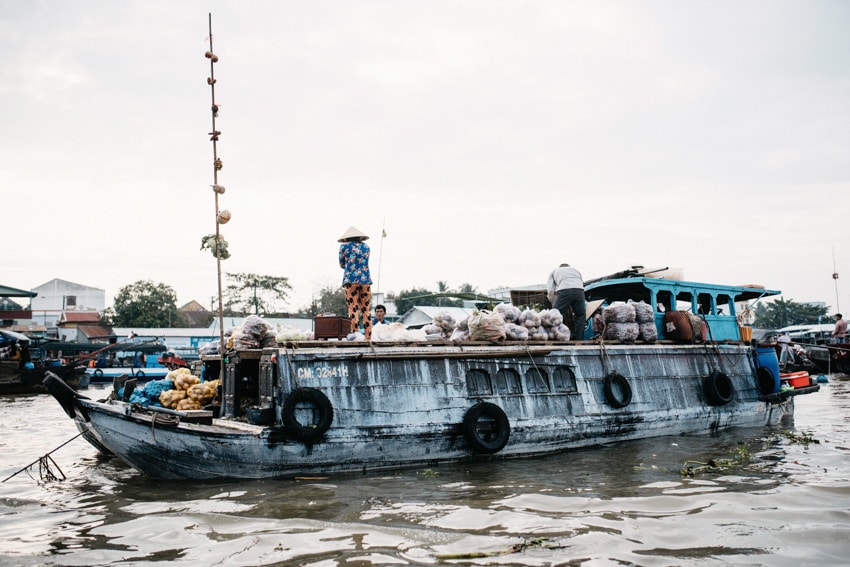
[(565, 289), (786, 354), (839, 333), (356, 280), (380, 313)]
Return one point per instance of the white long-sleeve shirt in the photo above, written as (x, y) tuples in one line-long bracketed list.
[(563, 277)]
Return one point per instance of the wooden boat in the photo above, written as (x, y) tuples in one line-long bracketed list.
[(323, 407), (23, 373)]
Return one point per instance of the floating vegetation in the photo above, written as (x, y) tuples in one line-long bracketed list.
[(540, 542), (800, 437), (429, 473), (740, 457)]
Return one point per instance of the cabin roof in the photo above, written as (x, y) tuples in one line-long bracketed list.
[(639, 288)]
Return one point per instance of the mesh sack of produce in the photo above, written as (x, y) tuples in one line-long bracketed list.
[(269, 340), (551, 318), (529, 318), (170, 398), (388, 332), (516, 332), (459, 335), (212, 347), (288, 333), (559, 333), (187, 405), (647, 332), (182, 378), (463, 324), (487, 326), (254, 326), (623, 332), (619, 313), (510, 313), (150, 393), (204, 393), (643, 312), (445, 321), (538, 334), (431, 329)]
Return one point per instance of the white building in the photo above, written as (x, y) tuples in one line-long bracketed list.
[(57, 296)]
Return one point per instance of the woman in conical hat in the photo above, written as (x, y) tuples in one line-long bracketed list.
[(356, 280)]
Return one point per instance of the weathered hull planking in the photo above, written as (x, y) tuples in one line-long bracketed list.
[(358, 408)]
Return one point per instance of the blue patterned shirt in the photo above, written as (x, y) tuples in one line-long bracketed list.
[(354, 260)]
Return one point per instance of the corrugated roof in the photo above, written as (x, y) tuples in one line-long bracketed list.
[(96, 331), (6, 291), (80, 316)]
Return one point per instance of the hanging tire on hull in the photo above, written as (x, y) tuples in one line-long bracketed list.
[(303, 402), (766, 380), (718, 389), (618, 393), (486, 428)]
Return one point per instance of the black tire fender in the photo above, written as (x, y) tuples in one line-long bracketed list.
[(765, 380), (486, 428), (139, 374), (307, 432), (718, 389), (98, 373), (618, 392)]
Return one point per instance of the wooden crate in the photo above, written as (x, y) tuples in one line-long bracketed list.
[(325, 327), (523, 297)]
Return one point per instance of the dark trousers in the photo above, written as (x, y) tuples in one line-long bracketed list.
[(570, 302)]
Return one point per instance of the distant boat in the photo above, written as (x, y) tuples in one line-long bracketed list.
[(129, 357), (23, 373)]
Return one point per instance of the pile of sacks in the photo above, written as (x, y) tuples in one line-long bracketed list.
[(252, 334), (179, 390), (627, 322), (189, 393), (505, 322)]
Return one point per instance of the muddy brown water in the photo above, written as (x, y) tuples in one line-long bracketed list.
[(755, 496)]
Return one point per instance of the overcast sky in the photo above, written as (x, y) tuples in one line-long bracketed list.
[(491, 140)]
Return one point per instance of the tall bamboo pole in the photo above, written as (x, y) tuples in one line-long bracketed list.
[(217, 190)]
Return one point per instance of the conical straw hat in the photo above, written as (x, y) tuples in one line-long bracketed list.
[(352, 234)]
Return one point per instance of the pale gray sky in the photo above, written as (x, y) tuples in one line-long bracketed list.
[(493, 140)]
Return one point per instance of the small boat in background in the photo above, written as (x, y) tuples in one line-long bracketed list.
[(22, 370)]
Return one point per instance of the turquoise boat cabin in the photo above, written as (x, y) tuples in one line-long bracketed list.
[(716, 305)]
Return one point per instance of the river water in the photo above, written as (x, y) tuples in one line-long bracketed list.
[(763, 496)]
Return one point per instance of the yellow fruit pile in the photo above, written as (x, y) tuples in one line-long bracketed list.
[(189, 392)]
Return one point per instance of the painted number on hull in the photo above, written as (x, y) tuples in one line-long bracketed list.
[(323, 371)]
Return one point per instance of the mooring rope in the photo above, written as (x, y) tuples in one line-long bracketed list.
[(44, 462)]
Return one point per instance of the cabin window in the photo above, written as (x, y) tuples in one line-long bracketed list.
[(506, 381), (725, 305), (685, 301), (478, 382), (704, 304), (663, 301), (563, 379), (537, 381)]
